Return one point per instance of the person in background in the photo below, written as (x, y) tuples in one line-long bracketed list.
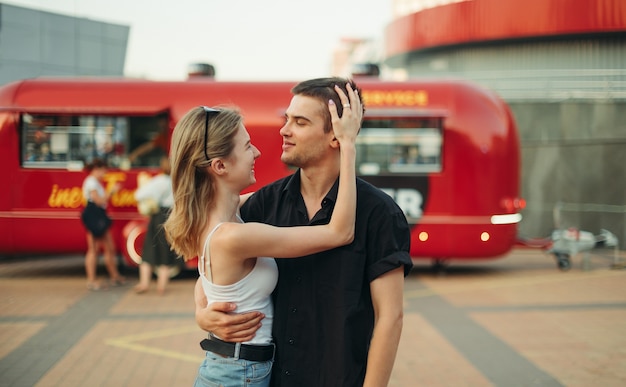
[(40, 152), (212, 162), (156, 250), (94, 192), (46, 154), (338, 314)]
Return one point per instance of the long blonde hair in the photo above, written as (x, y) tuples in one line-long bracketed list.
[(192, 185)]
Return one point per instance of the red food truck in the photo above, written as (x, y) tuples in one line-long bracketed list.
[(447, 151)]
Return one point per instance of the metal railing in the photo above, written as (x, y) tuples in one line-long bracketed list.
[(550, 84)]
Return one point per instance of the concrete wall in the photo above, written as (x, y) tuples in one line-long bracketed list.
[(573, 158)]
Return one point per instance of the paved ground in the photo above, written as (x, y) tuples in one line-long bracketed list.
[(514, 321)]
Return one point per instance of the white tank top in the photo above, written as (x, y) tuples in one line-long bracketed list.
[(251, 293)]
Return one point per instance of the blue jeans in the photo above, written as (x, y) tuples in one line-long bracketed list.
[(218, 371)]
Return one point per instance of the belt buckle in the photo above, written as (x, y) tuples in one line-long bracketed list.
[(273, 351), (237, 350)]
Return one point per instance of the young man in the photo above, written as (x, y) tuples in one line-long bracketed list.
[(338, 314)]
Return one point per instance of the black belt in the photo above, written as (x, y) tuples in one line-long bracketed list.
[(246, 351)]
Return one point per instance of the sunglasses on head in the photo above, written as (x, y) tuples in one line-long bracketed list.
[(208, 112)]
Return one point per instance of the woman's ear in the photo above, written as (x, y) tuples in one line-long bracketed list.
[(218, 167)]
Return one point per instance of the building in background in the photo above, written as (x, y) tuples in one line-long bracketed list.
[(561, 66), (36, 43)]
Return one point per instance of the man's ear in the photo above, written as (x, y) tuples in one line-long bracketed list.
[(333, 141)]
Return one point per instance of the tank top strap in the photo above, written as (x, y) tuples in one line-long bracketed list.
[(201, 264)]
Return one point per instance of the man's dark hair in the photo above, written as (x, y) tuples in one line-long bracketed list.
[(323, 89)]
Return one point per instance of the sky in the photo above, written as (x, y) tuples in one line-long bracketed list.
[(243, 39)]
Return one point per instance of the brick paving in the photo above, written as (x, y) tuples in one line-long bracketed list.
[(512, 321)]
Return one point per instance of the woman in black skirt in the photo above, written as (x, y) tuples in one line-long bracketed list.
[(156, 193)]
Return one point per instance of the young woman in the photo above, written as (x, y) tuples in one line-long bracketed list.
[(95, 195), (212, 162)]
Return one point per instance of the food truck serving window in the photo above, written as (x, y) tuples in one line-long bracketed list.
[(400, 145), (70, 141)]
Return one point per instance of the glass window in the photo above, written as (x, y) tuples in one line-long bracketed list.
[(70, 141), (399, 146)]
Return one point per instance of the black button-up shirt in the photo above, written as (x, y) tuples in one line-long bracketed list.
[(323, 313)]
